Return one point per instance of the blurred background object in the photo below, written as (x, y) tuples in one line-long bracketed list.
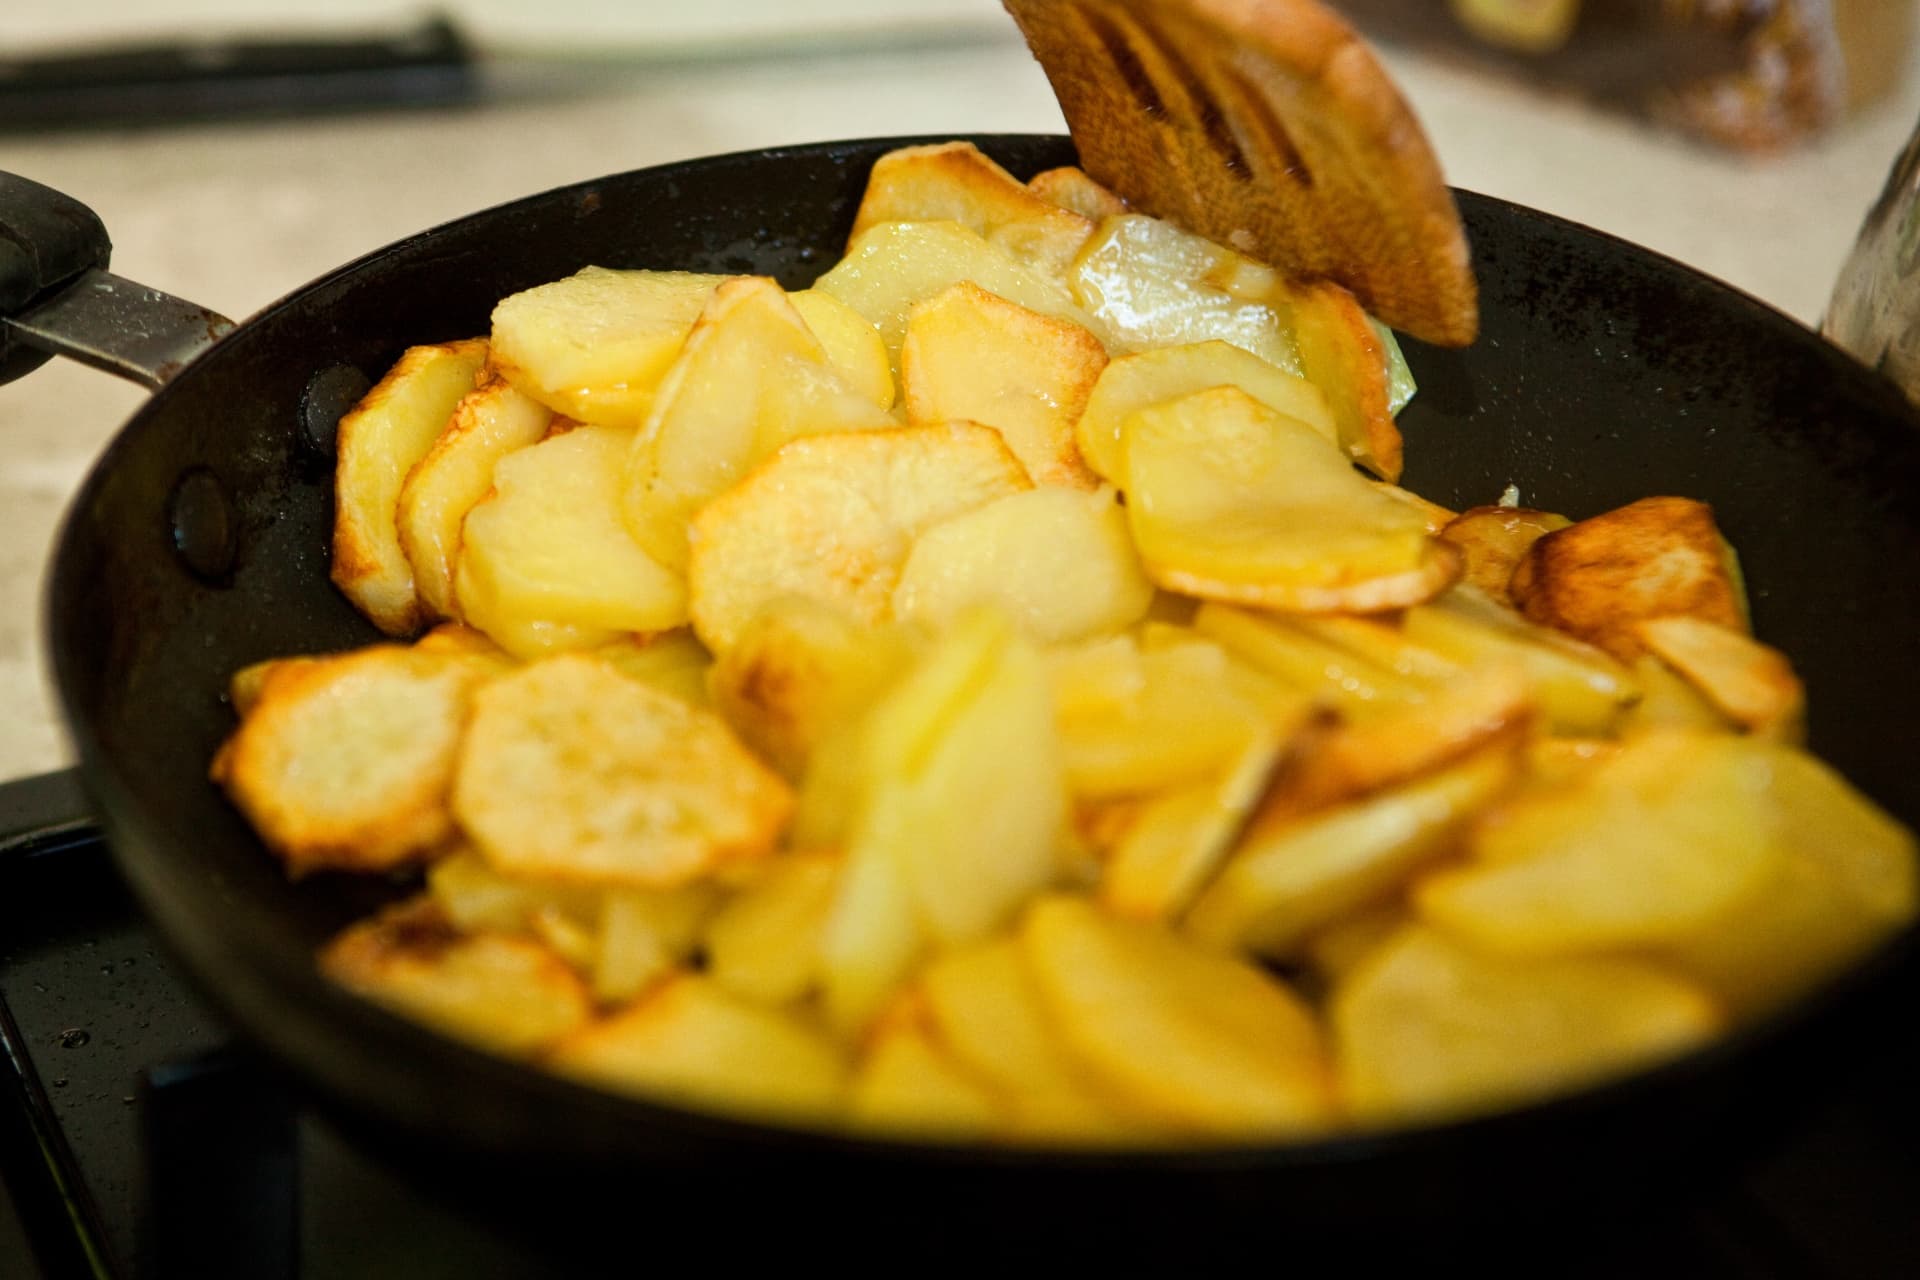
[(1875, 310), (1755, 75)]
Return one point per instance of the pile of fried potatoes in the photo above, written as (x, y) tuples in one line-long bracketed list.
[(998, 693)]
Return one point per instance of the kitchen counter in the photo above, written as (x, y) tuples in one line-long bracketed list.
[(235, 215)]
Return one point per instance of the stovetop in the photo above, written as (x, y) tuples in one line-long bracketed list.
[(136, 1139)]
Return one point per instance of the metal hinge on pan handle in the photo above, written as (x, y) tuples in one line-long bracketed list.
[(58, 298)]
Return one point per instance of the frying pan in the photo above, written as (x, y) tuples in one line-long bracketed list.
[(200, 540)]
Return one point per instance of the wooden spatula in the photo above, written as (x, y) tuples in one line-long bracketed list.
[(1269, 126)]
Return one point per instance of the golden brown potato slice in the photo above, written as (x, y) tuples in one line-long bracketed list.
[(854, 347), (1167, 373), (475, 897), (379, 441), (594, 345), (1655, 558), (910, 1087), (491, 421), (1668, 700), (644, 934), (1203, 1042), (801, 669), (1644, 850), (1750, 683), (1436, 516), (687, 1042), (1495, 540), (1847, 883), (345, 762), (456, 639), (1428, 1029), (670, 661), (1133, 722), (1176, 842), (248, 685), (764, 944), (507, 994), (1338, 677), (1071, 188), (894, 265), (954, 181), (751, 377), (986, 1011), (1230, 500), (572, 771), (832, 518), (1059, 562), (971, 355), (1345, 356), (1580, 690), (1289, 880), (1145, 283), (547, 546)]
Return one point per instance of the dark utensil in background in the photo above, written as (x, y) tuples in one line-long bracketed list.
[(1604, 373)]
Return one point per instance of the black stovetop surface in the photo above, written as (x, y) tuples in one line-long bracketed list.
[(136, 1141)]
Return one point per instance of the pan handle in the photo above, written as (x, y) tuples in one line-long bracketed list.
[(44, 814), (58, 298)]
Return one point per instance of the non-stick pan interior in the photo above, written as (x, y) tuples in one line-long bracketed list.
[(1604, 374)]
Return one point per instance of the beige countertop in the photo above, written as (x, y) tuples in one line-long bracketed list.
[(235, 215)]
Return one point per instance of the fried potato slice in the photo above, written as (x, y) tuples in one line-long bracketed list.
[(909, 1086), (491, 421), (833, 517), (572, 771), (248, 685), (1289, 880), (893, 265), (1751, 683), (595, 345), (751, 377), (1071, 188), (985, 1010), (1132, 721), (547, 546), (1059, 562), (1230, 500), (1167, 373), (800, 670), (1337, 951), (764, 944), (1495, 540), (1644, 850), (1176, 842), (1655, 558), (456, 639), (1848, 882), (670, 661), (955, 181), (504, 993), (854, 347), (475, 897), (379, 441), (687, 1042), (1668, 700), (1203, 1042), (644, 934), (1580, 689), (1343, 353), (1428, 1029), (345, 762), (1299, 659), (971, 355)]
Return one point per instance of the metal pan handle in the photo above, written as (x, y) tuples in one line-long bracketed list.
[(44, 814), (58, 298)]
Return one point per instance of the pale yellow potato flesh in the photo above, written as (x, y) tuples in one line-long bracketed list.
[(854, 347), (490, 422), (751, 377), (594, 345), (832, 518), (1057, 561), (1230, 500), (971, 355), (1428, 1029), (1749, 682), (1300, 659), (1166, 373), (548, 546), (764, 944), (378, 442), (689, 1042), (955, 181), (1071, 188), (907, 1084), (670, 661)]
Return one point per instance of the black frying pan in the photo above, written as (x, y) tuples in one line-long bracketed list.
[(1604, 374)]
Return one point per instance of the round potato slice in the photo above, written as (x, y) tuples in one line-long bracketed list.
[(573, 771), (1206, 1042)]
